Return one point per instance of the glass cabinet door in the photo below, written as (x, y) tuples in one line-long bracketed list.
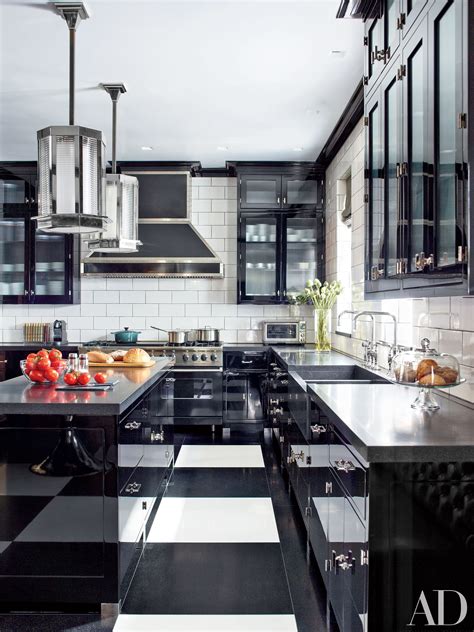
[(14, 276), (259, 257), (260, 191), (391, 96), (450, 183), (302, 251), (376, 238), (14, 192), (410, 11), (49, 268), (418, 207), (299, 192), (391, 30)]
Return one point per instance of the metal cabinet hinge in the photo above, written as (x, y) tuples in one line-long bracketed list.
[(462, 254), (308, 512), (308, 460), (366, 41), (401, 20), (364, 558), (462, 120), (366, 121), (366, 198), (365, 80), (327, 565), (328, 488), (401, 72)]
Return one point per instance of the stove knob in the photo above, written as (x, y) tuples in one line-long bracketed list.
[(185, 357), (204, 357), (213, 357), (194, 357)]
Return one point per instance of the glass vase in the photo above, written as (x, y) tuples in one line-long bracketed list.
[(322, 336)]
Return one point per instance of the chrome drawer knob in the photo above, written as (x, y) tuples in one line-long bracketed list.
[(344, 466)]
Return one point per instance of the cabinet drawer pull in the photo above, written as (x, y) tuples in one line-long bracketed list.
[(157, 436), (344, 466), (343, 562), (274, 401), (295, 456), (247, 361), (317, 429), (133, 425), (133, 488), (170, 379), (276, 411)]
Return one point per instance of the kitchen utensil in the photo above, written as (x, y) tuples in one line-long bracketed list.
[(175, 336), (126, 336), (207, 334)]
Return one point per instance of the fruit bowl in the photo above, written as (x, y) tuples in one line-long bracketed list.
[(60, 370)]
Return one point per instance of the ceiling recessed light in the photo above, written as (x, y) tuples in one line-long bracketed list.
[(147, 148), (222, 148), (297, 148)]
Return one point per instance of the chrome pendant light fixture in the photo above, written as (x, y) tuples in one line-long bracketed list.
[(121, 197), (71, 160)]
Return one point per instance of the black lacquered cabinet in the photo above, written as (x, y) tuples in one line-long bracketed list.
[(416, 159), (37, 267), (277, 253), (277, 191)]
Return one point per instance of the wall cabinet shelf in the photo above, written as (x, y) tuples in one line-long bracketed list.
[(417, 156), (36, 267)]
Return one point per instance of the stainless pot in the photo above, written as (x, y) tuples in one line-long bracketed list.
[(175, 336), (207, 334)]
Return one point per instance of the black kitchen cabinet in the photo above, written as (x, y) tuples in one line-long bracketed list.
[(245, 386), (416, 160), (277, 253), (277, 191), (37, 267)]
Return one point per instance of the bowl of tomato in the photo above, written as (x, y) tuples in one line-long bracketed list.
[(44, 367)]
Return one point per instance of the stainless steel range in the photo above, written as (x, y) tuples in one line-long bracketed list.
[(192, 392)]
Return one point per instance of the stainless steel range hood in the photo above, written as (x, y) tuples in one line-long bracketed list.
[(171, 247)]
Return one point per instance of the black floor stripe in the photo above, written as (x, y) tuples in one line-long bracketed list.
[(210, 579), (215, 482)]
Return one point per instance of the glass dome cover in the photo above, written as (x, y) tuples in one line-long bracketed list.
[(426, 369)]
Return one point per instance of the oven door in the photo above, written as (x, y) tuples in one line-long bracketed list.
[(189, 396)]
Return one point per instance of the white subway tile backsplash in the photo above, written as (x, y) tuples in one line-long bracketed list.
[(108, 296), (159, 297), (171, 309), (145, 284), (120, 309), (132, 296), (146, 309), (198, 309), (201, 182), (119, 284), (211, 193), (171, 284), (106, 322)]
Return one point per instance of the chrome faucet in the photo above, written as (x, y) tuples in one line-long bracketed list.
[(350, 311), (370, 348)]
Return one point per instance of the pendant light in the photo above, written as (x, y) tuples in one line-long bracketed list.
[(71, 160), (121, 197)]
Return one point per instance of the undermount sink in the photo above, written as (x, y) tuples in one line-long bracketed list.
[(345, 374)]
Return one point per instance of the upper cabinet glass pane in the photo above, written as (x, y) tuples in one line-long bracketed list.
[(301, 193), (260, 257), (12, 257), (13, 191), (261, 192), (446, 136), (391, 15), (50, 265), (391, 180), (377, 256), (302, 253)]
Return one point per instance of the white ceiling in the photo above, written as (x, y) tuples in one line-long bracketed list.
[(257, 77)]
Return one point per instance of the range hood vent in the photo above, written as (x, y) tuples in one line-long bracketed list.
[(171, 248), (171, 245)]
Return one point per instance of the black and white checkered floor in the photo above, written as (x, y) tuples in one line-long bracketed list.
[(225, 552)]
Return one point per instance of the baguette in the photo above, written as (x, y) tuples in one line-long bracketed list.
[(99, 357)]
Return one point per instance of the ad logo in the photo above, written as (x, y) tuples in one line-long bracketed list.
[(423, 611)]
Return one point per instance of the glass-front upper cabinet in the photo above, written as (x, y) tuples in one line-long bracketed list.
[(376, 228), (50, 269), (410, 10), (302, 251), (259, 257), (450, 169), (418, 178), (300, 192), (260, 191), (14, 280), (17, 186)]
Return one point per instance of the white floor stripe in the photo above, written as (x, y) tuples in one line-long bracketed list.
[(214, 520), (220, 456), (206, 623)]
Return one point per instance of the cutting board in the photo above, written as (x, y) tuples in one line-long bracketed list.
[(121, 365)]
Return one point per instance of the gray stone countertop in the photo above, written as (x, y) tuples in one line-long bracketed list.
[(19, 397), (380, 423)]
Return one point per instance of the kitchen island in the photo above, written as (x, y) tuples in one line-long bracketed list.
[(81, 476)]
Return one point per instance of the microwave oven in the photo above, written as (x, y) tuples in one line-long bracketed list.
[(284, 332)]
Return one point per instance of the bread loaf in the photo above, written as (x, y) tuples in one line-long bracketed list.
[(99, 357), (449, 375), (118, 355), (432, 379), (136, 355), (426, 367)]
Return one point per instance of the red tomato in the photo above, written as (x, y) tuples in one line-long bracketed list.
[(31, 356), (43, 353), (51, 375), (36, 376), (70, 378), (55, 354), (83, 379), (30, 365), (100, 378), (43, 364)]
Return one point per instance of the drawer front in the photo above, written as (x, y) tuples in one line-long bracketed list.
[(245, 361), (351, 473)]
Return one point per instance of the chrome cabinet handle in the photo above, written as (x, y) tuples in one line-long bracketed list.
[(343, 562), (247, 361), (157, 436), (344, 466), (317, 429), (276, 411), (133, 488), (274, 401), (133, 425), (295, 456), (170, 379)]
